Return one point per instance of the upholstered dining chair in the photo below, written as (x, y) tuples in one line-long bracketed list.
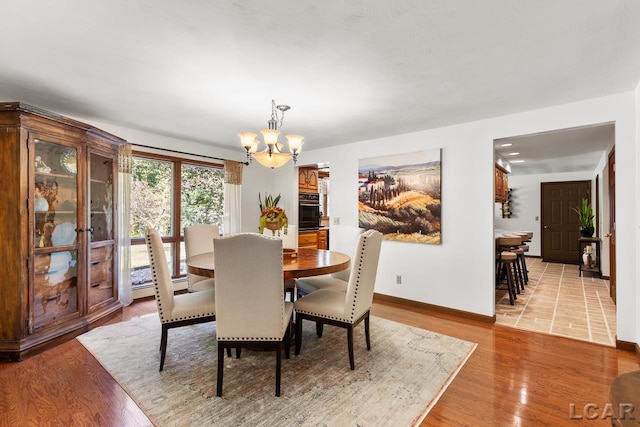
[(345, 309), (344, 240), (251, 311), (198, 239), (289, 241), (175, 310)]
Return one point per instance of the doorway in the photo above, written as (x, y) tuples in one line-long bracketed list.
[(558, 300)]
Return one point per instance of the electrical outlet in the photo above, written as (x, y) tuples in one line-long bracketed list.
[(398, 280), (336, 220)]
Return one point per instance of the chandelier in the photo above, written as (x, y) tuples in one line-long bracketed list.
[(272, 157)]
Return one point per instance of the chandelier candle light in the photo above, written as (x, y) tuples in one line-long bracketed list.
[(272, 157)]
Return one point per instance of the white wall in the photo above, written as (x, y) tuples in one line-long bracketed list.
[(258, 179), (145, 138), (459, 273), (526, 207)]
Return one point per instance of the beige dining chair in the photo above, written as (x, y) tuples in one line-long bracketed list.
[(345, 309), (344, 240), (198, 239), (289, 241), (175, 310), (251, 311)]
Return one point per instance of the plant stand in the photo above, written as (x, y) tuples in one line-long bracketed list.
[(582, 243)]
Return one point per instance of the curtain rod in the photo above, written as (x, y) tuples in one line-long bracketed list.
[(188, 154)]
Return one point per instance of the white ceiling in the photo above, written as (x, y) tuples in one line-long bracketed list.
[(353, 70)]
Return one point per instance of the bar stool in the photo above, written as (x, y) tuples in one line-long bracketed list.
[(512, 243), (506, 260), (506, 265)]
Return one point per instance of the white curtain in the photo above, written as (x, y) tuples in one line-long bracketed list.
[(231, 219), (125, 290)]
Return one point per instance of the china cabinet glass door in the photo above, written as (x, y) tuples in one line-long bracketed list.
[(101, 226), (55, 224)]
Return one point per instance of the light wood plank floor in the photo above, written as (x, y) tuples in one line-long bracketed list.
[(514, 378), (560, 302)]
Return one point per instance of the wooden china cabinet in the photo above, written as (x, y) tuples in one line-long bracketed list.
[(58, 228)]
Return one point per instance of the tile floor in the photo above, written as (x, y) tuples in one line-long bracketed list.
[(559, 302)]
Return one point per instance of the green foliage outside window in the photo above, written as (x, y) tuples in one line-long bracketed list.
[(151, 189), (202, 195), (151, 196)]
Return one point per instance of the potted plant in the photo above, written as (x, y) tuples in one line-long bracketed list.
[(585, 214), (272, 217)]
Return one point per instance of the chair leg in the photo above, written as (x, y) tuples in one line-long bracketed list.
[(278, 367), (298, 334), (220, 369), (228, 352), (163, 345), (350, 345), (507, 272), (319, 329), (511, 285), (525, 272), (238, 352), (287, 342), (366, 331), (519, 276)]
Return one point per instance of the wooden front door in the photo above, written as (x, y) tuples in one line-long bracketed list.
[(560, 224), (612, 225)]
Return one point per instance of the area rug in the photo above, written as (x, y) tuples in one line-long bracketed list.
[(396, 383)]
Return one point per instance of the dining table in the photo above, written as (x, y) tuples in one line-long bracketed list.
[(305, 262)]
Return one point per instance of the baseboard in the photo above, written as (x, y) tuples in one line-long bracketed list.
[(435, 308), (627, 346)]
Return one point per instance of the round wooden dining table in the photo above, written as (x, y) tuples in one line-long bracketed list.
[(308, 262)]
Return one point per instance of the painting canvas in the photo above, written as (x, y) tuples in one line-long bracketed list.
[(399, 195)]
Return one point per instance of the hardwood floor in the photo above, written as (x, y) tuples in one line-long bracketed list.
[(513, 378)]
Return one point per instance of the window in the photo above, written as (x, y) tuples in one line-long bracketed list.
[(169, 194)]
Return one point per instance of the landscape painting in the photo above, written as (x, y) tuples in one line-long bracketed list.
[(399, 195)]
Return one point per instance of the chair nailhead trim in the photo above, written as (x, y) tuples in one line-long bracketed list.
[(248, 339), (355, 292)]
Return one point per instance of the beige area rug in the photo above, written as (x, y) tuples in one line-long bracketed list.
[(396, 383)]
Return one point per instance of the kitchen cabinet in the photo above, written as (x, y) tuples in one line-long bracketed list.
[(314, 239), (501, 184), (59, 246), (323, 241), (308, 239), (308, 179)]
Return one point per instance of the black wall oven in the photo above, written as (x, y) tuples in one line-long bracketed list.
[(308, 211)]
